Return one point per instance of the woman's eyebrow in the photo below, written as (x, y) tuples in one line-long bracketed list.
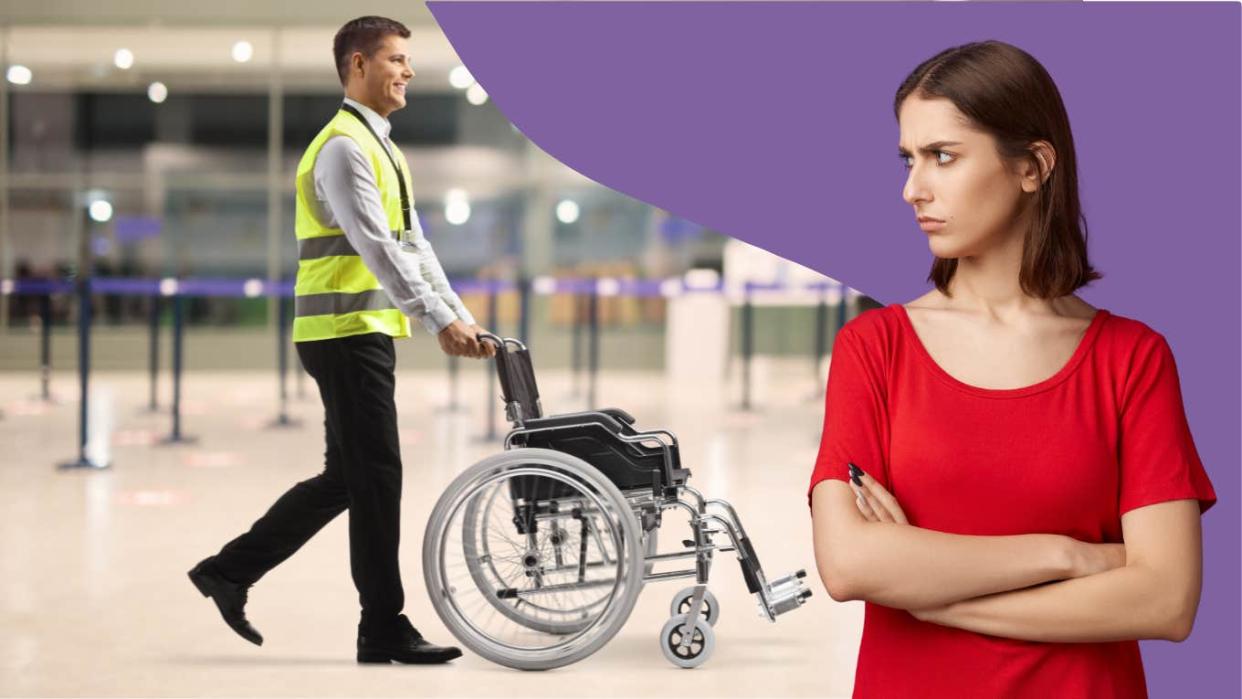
[(930, 147)]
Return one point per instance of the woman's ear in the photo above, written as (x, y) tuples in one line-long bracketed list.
[(1043, 160)]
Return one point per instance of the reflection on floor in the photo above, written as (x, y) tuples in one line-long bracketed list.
[(94, 599)]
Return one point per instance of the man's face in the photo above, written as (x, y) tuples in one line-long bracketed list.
[(386, 74), (960, 180)]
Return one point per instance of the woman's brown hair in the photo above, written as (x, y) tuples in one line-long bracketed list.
[(1006, 93)]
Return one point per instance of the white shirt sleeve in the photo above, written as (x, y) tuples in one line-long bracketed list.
[(430, 267), (346, 189)]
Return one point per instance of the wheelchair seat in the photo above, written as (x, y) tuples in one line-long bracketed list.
[(604, 438)]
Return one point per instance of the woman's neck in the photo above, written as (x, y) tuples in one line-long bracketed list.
[(988, 284)]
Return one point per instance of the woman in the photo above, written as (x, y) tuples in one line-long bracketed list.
[(1006, 473)]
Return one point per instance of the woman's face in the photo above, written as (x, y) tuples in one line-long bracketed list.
[(956, 176)]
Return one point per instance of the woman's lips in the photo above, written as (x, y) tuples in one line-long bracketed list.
[(929, 225)]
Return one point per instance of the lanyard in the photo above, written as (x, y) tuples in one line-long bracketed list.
[(405, 197)]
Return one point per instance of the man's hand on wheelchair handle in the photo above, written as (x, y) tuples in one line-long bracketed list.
[(458, 340), (489, 350)]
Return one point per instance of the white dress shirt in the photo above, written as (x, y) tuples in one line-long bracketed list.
[(348, 198)]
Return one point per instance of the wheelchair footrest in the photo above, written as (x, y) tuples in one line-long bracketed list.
[(784, 595)]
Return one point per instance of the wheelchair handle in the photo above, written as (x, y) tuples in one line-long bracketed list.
[(500, 342), (494, 339)]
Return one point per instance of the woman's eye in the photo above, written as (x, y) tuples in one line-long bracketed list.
[(905, 159)]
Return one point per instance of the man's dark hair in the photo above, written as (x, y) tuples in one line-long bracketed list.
[(363, 35)]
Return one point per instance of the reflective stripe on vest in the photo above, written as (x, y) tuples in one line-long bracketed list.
[(335, 294), (329, 246), (340, 304)]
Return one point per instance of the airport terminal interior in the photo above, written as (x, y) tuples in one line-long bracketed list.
[(147, 249)]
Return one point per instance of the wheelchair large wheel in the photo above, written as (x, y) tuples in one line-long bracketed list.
[(533, 559), (495, 571)]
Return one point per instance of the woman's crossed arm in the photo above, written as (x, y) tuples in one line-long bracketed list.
[(1146, 588), (886, 561)]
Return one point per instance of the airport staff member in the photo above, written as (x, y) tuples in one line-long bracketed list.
[(364, 269)]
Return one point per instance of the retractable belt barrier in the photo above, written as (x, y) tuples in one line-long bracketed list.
[(586, 293)]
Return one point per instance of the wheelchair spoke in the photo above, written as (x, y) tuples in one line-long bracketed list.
[(517, 572)]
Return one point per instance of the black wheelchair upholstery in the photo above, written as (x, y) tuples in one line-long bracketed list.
[(604, 438), (517, 383)]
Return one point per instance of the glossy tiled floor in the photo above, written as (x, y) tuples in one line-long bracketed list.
[(94, 599)]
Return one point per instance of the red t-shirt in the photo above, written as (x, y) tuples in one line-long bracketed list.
[(1068, 455)]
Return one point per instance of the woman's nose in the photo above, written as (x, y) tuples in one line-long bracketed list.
[(915, 190)]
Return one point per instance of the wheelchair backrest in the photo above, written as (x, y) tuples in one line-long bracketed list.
[(517, 384)]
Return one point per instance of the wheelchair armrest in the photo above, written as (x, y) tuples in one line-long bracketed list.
[(620, 431), (619, 414), (573, 419)]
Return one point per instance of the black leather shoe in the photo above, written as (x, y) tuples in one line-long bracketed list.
[(404, 645), (230, 598)]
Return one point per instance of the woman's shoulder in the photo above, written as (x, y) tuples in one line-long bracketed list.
[(874, 324), (874, 333), (1125, 338)]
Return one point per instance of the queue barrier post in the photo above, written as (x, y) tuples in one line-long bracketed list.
[(575, 350), (748, 344), (178, 347), (84, 460), (154, 309), (593, 346), (821, 341), (283, 313), (45, 346), (493, 319)]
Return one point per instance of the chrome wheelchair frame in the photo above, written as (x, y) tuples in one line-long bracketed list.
[(594, 471)]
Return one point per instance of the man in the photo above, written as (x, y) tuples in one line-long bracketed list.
[(364, 269)]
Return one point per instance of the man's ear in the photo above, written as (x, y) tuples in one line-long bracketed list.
[(358, 62)]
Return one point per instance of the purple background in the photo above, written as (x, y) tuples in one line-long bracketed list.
[(773, 123)]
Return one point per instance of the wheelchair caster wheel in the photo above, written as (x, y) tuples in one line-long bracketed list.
[(709, 610), (702, 642)]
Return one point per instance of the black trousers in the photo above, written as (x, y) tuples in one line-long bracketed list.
[(362, 473)]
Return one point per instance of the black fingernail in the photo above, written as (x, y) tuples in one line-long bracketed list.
[(856, 474)]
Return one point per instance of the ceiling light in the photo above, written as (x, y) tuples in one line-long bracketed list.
[(20, 75), (101, 211), (457, 211), (456, 206), (460, 77), (242, 51), (476, 95), (567, 211)]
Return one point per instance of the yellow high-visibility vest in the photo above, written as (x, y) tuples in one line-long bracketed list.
[(335, 294)]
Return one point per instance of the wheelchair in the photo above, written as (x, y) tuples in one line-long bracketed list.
[(534, 557)]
